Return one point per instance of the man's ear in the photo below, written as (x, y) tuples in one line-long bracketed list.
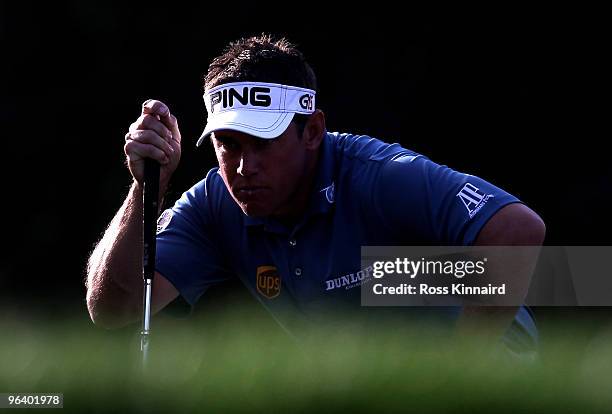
[(314, 130)]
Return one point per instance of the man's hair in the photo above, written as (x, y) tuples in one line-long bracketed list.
[(263, 59)]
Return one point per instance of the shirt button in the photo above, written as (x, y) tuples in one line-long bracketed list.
[(292, 242), (298, 271)]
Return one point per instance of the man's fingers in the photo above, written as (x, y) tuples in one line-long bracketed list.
[(173, 124), (154, 135), (151, 138), (150, 122), (136, 151), (158, 108), (155, 107)]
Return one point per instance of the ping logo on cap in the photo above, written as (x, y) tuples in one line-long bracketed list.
[(268, 281), (260, 109), (255, 96)]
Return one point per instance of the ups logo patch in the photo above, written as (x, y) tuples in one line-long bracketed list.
[(268, 281)]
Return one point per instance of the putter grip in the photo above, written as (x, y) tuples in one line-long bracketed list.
[(150, 210)]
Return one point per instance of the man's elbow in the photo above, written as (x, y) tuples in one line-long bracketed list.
[(103, 315), (98, 317), (532, 229), (514, 225)]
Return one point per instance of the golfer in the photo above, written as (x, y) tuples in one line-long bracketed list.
[(290, 204)]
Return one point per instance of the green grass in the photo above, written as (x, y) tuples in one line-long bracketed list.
[(241, 363)]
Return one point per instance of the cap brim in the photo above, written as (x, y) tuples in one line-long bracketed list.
[(266, 125)]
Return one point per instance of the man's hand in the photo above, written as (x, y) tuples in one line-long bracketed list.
[(156, 135)]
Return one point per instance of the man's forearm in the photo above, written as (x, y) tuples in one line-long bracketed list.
[(114, 283)]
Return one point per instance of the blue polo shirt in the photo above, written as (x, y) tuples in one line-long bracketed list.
[(366, 192)]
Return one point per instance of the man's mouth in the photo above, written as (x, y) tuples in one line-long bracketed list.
[(248, 192)]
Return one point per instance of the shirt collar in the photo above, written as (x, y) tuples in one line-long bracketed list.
[(324, 191), (322, 198)]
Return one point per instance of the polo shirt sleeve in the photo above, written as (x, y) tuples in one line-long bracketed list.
[(187, 254), (422, 200)]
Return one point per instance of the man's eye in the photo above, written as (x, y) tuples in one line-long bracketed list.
[(228, 145), (263, 143)]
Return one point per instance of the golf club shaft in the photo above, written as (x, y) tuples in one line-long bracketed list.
[(150, 211)]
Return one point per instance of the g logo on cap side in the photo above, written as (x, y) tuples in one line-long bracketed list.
[(306, 102)]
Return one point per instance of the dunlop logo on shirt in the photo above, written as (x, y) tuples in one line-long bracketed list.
[(268, 281)]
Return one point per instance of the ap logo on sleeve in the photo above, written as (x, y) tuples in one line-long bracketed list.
[(473, 198)]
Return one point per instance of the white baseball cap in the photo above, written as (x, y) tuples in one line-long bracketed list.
[(264, 110)]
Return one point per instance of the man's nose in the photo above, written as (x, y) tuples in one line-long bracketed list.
[(249, 164)]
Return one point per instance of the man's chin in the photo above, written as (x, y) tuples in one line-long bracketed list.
[(254, 210)]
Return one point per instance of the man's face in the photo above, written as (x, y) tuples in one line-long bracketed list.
[(262, 175)]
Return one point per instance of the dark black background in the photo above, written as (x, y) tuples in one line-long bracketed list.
[(514, 96)]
